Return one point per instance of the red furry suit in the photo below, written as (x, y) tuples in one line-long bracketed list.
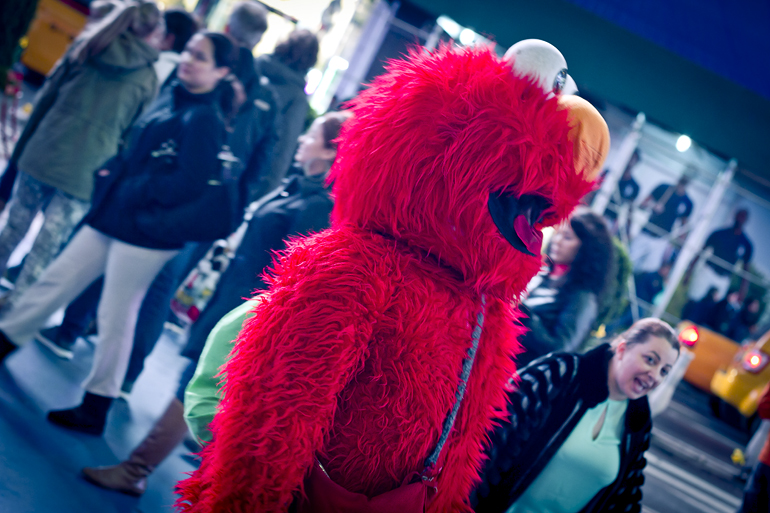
[(353, 356)]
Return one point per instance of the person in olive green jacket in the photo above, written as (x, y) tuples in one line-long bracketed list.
[(89, 102)]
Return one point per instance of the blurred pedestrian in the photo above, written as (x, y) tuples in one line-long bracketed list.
[(82, 114), (744, 324), (667, 204), (756, 495), (702, 312), (300, 206), (180, 27), (562, 301), (577, 428), (647, 286), (252, 139), (619, 212), (728, 245), (286, 68), (725, 312), (173, 153)]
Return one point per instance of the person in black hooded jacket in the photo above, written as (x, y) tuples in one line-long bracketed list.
[(577, 428)]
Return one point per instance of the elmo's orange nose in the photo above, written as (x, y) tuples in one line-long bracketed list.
[(589, 133)]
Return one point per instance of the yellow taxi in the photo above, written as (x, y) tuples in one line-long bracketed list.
[(742, 381), (55, 26), (712, 352)]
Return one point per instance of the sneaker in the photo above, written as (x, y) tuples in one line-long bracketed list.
[(50, 339)]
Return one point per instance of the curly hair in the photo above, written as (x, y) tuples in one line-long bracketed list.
[(592, 267)]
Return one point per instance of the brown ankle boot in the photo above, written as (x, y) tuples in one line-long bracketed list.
[(130, 476)]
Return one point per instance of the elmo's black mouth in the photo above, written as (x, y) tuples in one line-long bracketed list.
[(516, 219)]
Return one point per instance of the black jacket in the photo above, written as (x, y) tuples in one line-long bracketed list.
[(300, 206), (172, 154), (254, 133), (558, 319), (551, 398), (292, 104)]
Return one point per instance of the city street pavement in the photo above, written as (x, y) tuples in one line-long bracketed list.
[(688, 471), (688, 466), (40, 463)]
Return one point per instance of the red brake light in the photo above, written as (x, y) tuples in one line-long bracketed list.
[(689, 336), (754, 361)]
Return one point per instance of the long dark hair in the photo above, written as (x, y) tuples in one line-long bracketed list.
[(225, 56), (591, 269), (182, 25)]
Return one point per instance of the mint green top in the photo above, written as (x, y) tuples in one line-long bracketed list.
[(581, 467), (201, 397)]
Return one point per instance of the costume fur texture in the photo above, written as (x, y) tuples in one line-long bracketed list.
[(354, 355)]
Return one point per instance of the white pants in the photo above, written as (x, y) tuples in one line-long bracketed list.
[(703, 278), (128, 272), (647, 252)]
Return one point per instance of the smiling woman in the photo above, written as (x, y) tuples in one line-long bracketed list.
[(580, 446)]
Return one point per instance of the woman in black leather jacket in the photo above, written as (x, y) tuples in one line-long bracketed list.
[(577, 428), (562, 302)]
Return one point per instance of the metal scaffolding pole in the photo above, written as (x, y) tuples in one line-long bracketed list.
[(697, 236), (619, 163)]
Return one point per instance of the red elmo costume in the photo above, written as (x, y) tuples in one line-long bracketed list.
[(353, 355)]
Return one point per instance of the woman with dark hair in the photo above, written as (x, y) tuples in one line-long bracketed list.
[(286, 68), (82, 113), (562, 301), (173, 153), (577, 428), (302, 205)]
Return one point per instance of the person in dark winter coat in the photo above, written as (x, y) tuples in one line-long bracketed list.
[(174, 151), (577, 428), (562, 301), (251, 140), (286, 68), (300, 206), (84, 110)]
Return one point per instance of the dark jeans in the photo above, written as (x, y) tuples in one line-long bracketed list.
[(755, 495), (238, 283), (7, 181), (187, 375)]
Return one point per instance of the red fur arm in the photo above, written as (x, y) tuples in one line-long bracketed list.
[(292, 358)]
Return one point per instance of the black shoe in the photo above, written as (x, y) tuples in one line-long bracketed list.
[(51, 339), (12, 273), (90, 417), (6, 346)]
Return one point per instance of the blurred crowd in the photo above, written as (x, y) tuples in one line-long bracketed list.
[(186, 131), (169, 164)]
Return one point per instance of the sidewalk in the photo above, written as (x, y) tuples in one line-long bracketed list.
[(40, 463)]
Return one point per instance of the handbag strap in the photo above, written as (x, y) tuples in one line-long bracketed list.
[(449, 421)]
